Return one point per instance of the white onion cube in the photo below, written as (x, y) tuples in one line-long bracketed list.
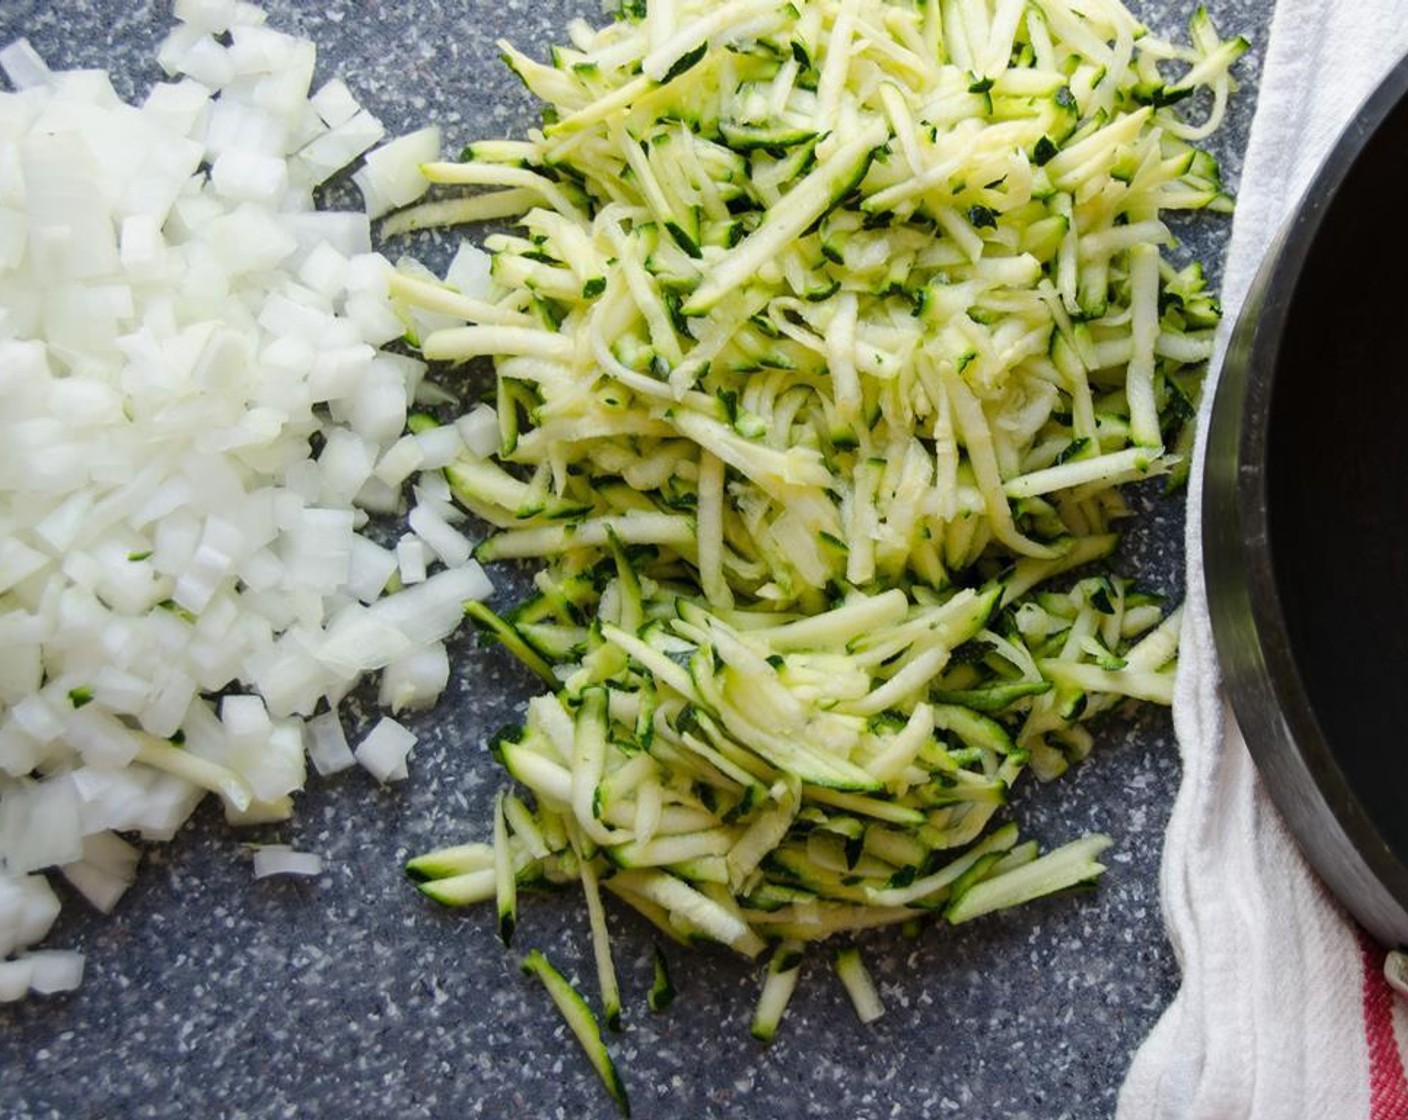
[(369, 568), (278, 859), (214, 16), (249, 177), (55, 970), (334, 103), (416, 680), (28, 907), (401, 460), (411, 559), (479, 430), (102, 739), (23, 66), (14, 979), (440, 446), (327, 744), (107, 869), (451, 546), (384, 751), (391, 177)]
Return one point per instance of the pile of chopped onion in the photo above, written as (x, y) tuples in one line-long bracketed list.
[(196, 417)]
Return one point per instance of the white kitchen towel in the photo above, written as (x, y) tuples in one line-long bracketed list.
[(1282, 1012)]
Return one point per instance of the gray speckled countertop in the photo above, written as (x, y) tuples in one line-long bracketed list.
[(211, 995)]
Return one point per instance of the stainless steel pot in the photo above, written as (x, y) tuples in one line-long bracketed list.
[(1305, 517)]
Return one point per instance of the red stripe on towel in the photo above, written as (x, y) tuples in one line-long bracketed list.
[(1388, 1089)]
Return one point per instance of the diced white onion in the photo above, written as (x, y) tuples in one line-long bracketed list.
[(55, 970), (107, 869), (415, 680), (392, 177), (479, 429), (469, 272), (451, 546), (41, 826), (335, 104), (384, 751), (22, 65), (340, 145), (28, 907), (327, 744), (14, 979), (439, 446), (212, 16), (277, 859), (369, 567), (402, 459), (249, 177), (101, 737), (431, 611), (180, 328), (324, 269), (411, 559)]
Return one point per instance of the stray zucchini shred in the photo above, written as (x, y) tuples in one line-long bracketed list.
[(662, 988), (580, 1020), (780, 982), (855, 978)]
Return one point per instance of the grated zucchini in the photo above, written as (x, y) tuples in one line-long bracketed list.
[(830, 333)]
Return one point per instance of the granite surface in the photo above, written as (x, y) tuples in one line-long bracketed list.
[(211, 995)]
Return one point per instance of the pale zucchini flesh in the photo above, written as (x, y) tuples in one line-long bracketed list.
[(830, 334)]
